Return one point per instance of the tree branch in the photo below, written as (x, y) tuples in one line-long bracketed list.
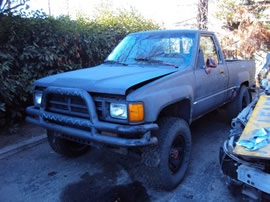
[(4, 4), (22, 3)]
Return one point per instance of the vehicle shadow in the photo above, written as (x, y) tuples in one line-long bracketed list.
[(109, 182), (89, 190)]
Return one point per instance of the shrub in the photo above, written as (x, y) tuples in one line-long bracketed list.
[(38, 46)]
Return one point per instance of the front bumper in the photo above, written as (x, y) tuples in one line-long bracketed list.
[(88, 130)]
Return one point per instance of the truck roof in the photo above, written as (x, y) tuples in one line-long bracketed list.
[(174, 31)]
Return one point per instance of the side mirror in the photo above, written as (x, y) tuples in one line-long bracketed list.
[(211, 62)]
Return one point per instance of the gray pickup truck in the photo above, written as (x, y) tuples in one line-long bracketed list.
[(142, 99)]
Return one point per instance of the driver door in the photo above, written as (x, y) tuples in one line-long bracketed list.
[(210, 79)]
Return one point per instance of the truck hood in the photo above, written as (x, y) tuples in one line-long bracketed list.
[(110, 79)]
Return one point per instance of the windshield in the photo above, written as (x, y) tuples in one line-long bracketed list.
[(174, 49)]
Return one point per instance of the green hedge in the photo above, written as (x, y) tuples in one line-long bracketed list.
[(34, 47)]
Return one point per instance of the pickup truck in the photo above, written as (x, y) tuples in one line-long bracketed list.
[(142, 99)]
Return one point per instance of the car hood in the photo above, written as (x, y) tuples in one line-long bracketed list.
[(109, 79)]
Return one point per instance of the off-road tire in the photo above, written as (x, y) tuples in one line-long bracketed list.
[(157, 170), (239, 103), (65, 147)]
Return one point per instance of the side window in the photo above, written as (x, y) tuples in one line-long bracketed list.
[(207, 45)]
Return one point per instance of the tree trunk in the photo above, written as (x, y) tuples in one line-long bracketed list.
[(9, 4), (202, 17), (67, 7), (49, 6)]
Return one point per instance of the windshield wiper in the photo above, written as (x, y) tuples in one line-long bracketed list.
[(155, 61), (114, 62)]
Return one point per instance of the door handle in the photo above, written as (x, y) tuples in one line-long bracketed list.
[(221, 71)]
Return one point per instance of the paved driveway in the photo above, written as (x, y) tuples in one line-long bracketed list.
[(39, 174)]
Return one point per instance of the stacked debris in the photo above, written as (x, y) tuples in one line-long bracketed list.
[(260, 139)]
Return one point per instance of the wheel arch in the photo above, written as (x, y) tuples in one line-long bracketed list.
[(179, 109), (243, 79), (246, 83)]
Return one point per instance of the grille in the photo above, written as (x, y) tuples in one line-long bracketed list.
[(99, 103), (69, 105)]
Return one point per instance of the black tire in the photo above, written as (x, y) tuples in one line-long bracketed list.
[(239, 103), (65, 147), (167, 162)]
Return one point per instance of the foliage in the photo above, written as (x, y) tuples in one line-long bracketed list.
[(248, 29), (38, 46), (126, 20)]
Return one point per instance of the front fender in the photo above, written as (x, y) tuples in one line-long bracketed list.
[(163, 92), (186, 94), (156, 100)]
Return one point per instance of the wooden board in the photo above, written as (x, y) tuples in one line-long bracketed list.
[(260, 118)]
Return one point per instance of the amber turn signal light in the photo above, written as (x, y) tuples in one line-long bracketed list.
[(136, 112)]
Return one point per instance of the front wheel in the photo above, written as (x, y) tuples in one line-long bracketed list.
[(65, 147), (172, 153)]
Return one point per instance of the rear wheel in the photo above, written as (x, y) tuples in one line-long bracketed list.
[(65, 147), (241, 101), (167, 163)]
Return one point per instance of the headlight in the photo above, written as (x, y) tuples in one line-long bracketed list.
[(118, 111), (37, 98)]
